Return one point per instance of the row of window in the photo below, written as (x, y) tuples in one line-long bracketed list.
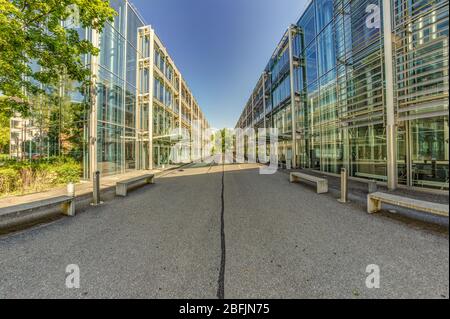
[(280, 65), (282, 92), (162, 94), (163, 66), (318, 15)]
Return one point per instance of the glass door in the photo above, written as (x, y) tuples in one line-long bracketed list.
[(429, 157)]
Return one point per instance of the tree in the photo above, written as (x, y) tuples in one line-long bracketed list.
[(39, 32), (4, 134)]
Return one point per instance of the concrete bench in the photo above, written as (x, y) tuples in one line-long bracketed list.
[(374, 201), (322, 183), (123, 186), (67, 204), (440, 185), (371, 176)]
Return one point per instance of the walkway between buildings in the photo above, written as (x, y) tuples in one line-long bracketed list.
[(358, 190), (213, 231)]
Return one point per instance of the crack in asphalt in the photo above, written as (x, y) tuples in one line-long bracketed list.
[(221, 281)]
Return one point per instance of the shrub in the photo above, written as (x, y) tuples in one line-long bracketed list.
[(67, 172), (9, 180), (24, 177)]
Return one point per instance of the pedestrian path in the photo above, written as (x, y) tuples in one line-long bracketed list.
[(358, 190), (225, 231), (82, 188)]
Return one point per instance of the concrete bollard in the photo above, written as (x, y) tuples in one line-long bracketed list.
[(344, 185)]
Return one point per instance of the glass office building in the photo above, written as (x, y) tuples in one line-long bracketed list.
[(326, 88), (140, 106), (143, 105)]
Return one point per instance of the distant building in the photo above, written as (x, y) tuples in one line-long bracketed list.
[(22, 135)]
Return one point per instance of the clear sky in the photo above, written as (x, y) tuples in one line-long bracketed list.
[(221, 46)]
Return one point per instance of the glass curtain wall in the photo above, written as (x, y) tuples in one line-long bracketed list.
[(422, 95), (114, 137), (165, 95), (342, 97), (116, 92), (339, 77), (165, 108)]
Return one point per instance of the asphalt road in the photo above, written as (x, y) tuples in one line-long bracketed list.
[(266, 239)]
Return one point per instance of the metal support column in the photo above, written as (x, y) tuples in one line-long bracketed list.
[(93, 161), (150, 99), (138, 115), (264, 97), (264, 109), (180, 113), (391, 132), (293, 117)]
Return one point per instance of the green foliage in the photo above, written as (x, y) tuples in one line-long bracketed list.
[(4, 134), (9, 180), (33, 32), (66, 170), (67, 173), (25, 176), (223, 136), (61, 125)]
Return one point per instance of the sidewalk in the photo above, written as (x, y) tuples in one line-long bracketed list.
[(358, 190), (81, 189), (83, 194)]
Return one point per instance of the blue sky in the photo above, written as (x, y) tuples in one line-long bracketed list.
[(220, 46)]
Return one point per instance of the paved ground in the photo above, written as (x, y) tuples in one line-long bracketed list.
[(275, 239), (82, 188), (358, 190)]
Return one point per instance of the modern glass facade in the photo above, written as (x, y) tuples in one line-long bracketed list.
[(168, 110), (136, 111), (337, 69), (143, 104)]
